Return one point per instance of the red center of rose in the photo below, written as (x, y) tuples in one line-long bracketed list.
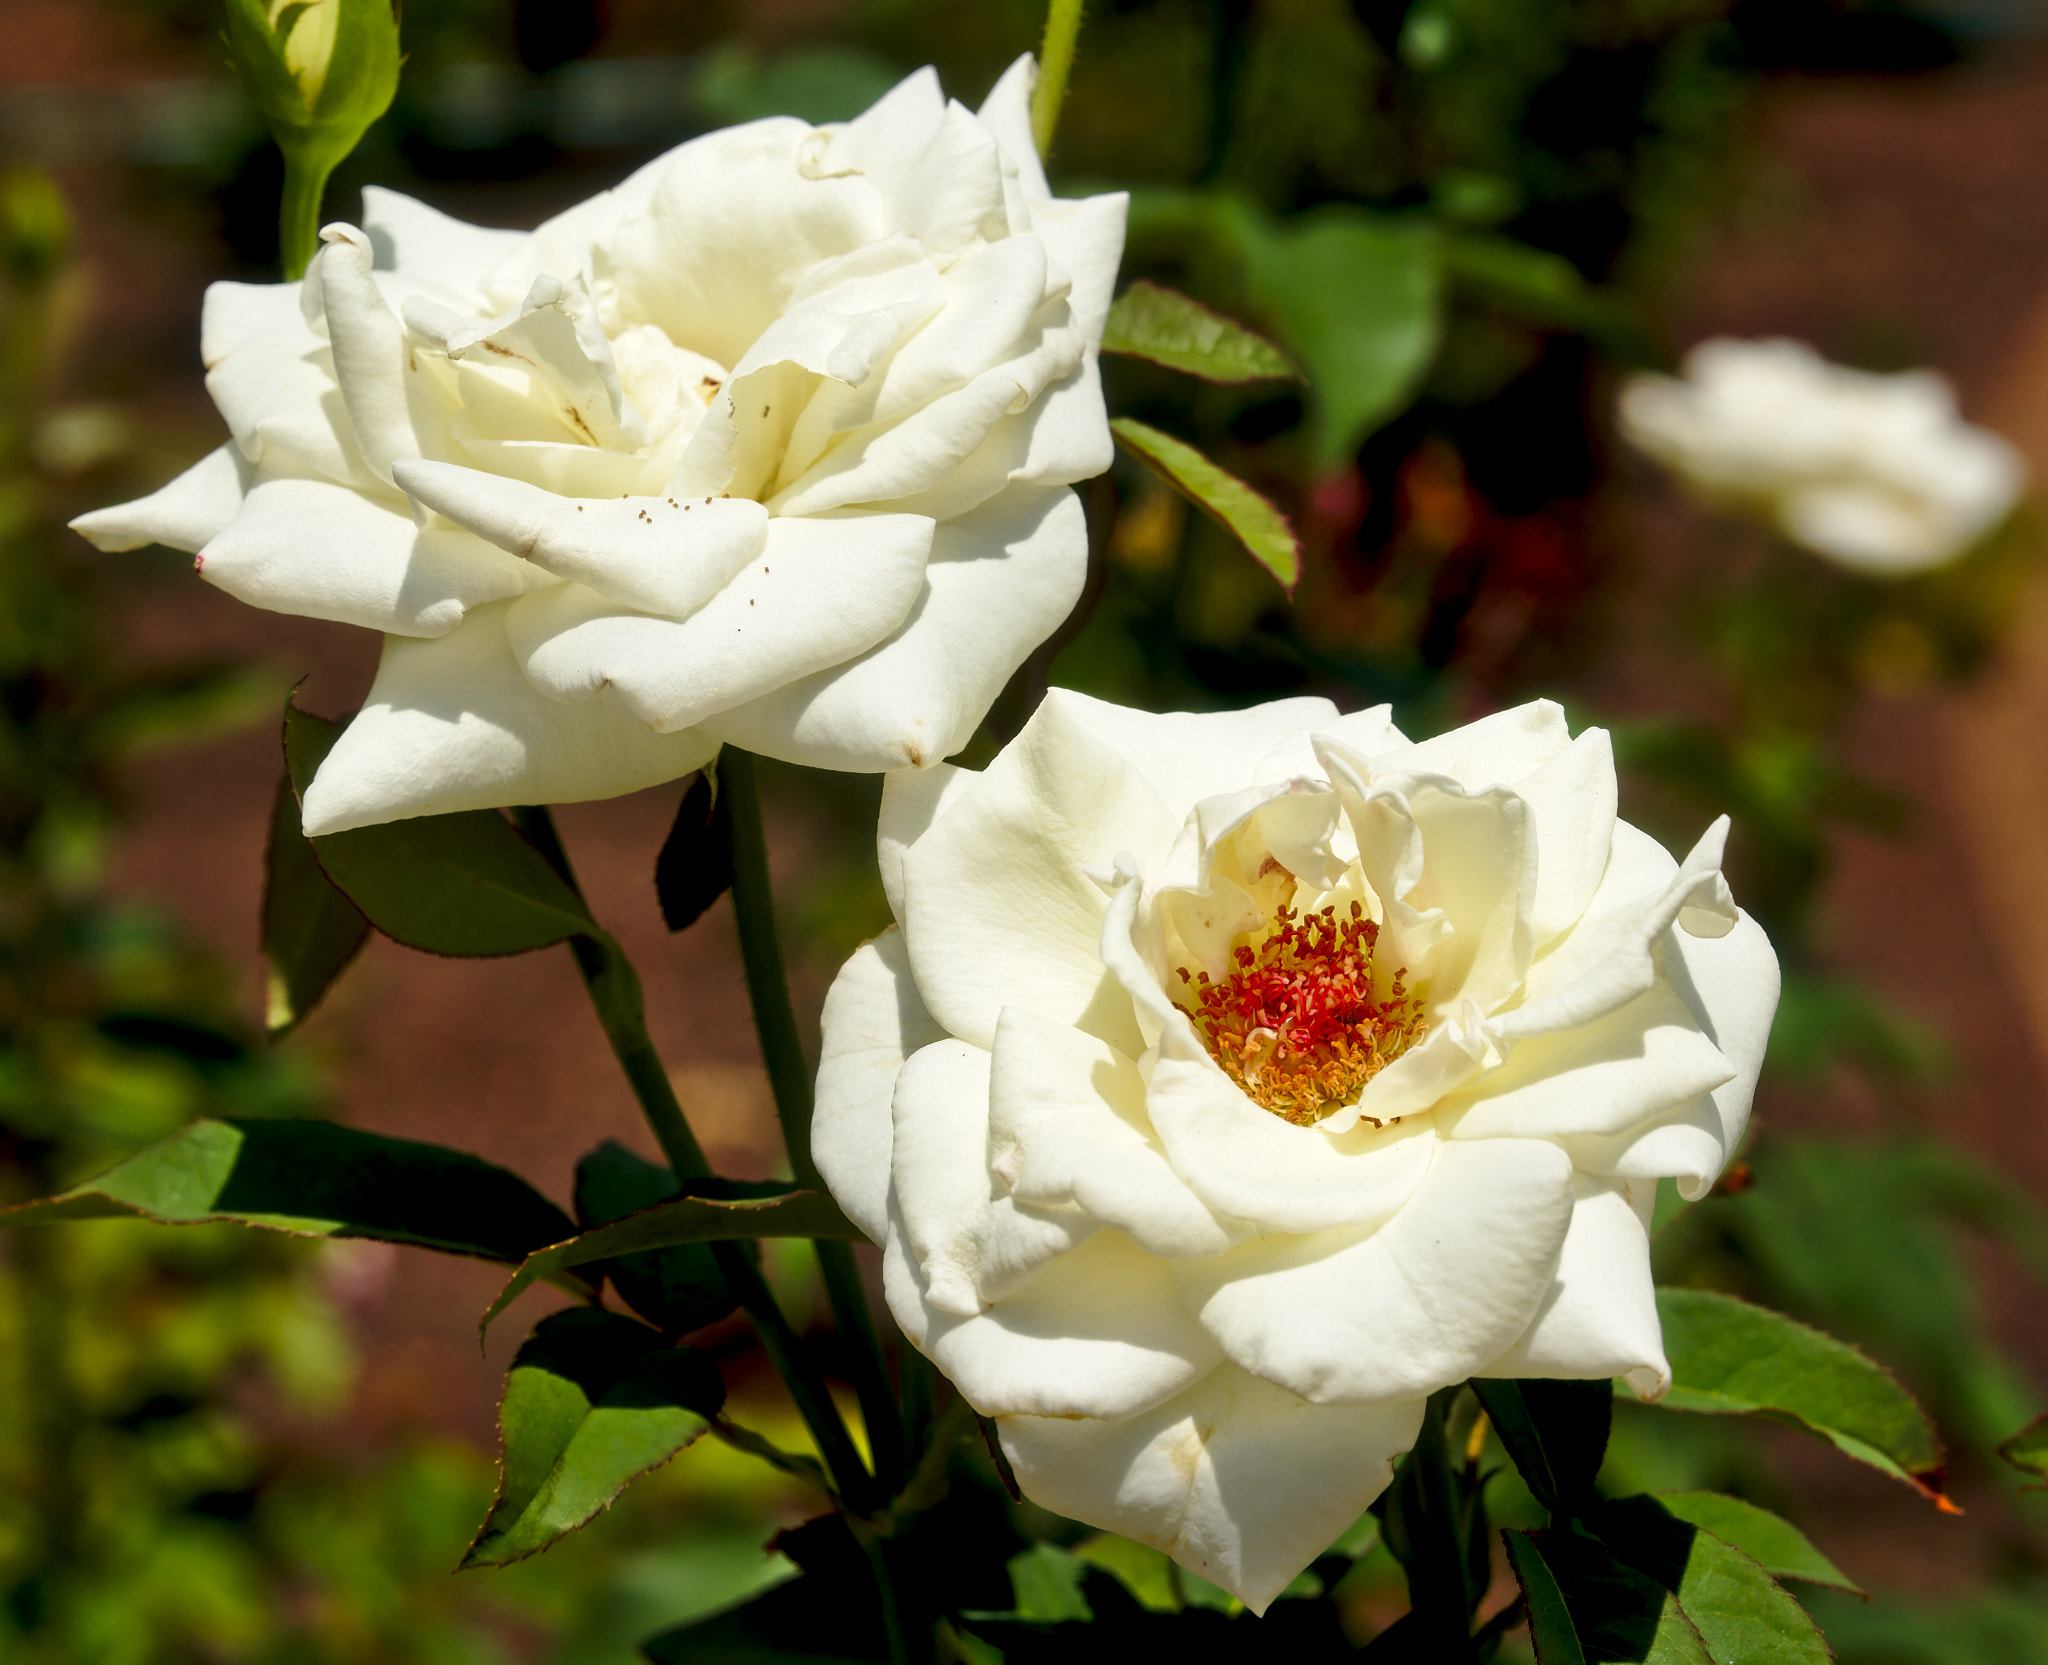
[(1296, 1022)]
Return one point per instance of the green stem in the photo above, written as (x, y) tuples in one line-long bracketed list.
[(889, 1585), (616, 994), (753, 901), (622, 1011), (1439, 1584), (1055, 63), (298, 215), (785, 1351)]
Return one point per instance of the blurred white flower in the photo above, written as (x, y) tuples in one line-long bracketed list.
[(769, 445), (1233, 1082), (1875, 472)]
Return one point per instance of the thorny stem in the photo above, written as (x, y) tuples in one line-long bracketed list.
[(615, 993), (753, 902), (1055, 63)]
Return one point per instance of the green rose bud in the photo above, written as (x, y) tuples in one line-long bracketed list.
[(321, 71)]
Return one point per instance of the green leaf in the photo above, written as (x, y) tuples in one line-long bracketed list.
[(1731, 1358), (1619, 1614), (694, 868), (1555, 1431), (1046, 1582), (1147, 1573), (467, 885), (311, 931), (780, 1212), (1739, 1610), (676, 1290), (829, 1615), (1551, 1631), (1538, 284), (1243, 512), (2028, 1449), (593, 1401), (1773, 1542), (1360, 300), (1151, 322), (316, 1179)]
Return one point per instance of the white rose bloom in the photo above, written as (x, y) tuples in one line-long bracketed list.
[(1231, 1083), (1877, 473), (770, 445)]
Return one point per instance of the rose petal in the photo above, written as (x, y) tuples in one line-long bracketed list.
[(1494, 751), (1421, 1302), (999, 582), (1189, 756), (272, 380), (912, 799), (1099, 1332), (939, 1160), (1006, 113), (322, 551), (650, 553), (1085, 237), (1454, 872), (422, 245), (1607, 960), (1061, 437), (935, 168), (188, 513), (990, 299), (451, 724), (972, 1246), (1067, 1126), (1731, 984), (1246, 1162), (557, 349), (1572, 801), (368, 348), (845, 319), (729, 226), (1686, 1144), (822, 592), (1000, 911), (873, 1021), (1599, 1318), (1628, 1067), (1236, 1479), (1364, 733)]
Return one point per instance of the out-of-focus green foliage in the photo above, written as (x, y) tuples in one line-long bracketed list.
[(150, 1512), (1872, 1238)]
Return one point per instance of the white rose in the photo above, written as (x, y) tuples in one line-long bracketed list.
[(769, 445), (1202, 1250), (1878, 473)]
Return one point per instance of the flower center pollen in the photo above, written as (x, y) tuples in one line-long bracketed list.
[(1296, 1021)]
